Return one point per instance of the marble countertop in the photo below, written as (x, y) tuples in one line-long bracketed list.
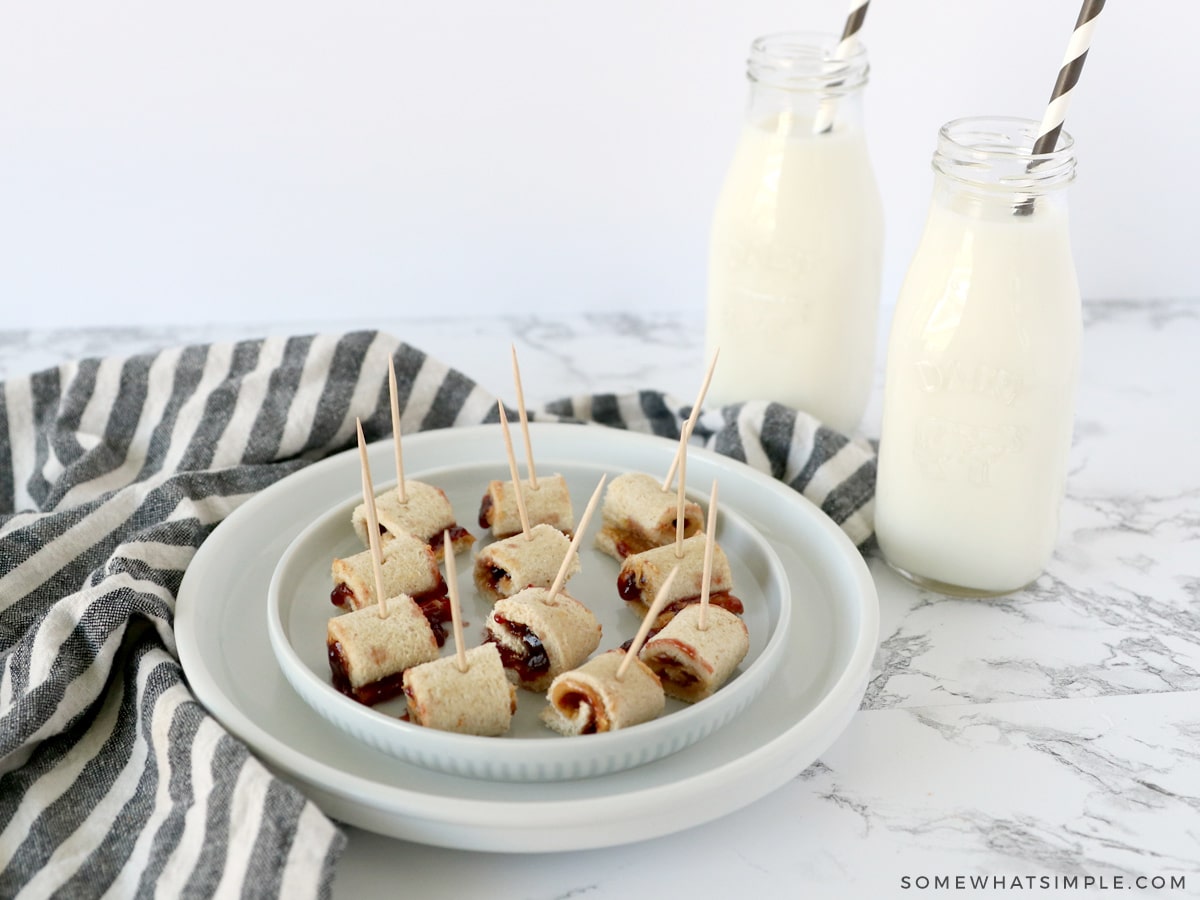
[(1050, 733)]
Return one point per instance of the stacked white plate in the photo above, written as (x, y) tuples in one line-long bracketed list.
[(811, 610)]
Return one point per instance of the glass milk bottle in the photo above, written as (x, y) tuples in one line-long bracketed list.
[(797, 238), (982, 367)]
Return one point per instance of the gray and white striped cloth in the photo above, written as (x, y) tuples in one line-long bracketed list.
[(114, 781)]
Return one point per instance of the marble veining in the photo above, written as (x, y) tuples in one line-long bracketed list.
[(1055, 731)]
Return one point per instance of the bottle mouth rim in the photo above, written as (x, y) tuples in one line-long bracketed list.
[(997, 151), (804, 60)]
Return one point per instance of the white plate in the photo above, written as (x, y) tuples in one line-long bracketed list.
[(298, 608), (223, 645)]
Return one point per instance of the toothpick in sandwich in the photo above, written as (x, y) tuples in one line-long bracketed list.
[(416, 508), (508, 511), (468, 692), (692, 418)]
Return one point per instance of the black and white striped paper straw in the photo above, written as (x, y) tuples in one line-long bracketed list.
[(1068, 77), (854, 23)]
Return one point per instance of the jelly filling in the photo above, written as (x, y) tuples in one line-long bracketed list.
[(628, 587), (630, 590), (457, 533), (494, 576), (368, 694), (341, 595), (533, 662), (437, 614), (486, 510)]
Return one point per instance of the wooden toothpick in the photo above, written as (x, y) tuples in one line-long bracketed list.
[(368, 490), (401, 492), (692, 418), (573, 549), (660, 600), (533, 481), (679, 504), (516, 476), (710, 540), (460, 651)]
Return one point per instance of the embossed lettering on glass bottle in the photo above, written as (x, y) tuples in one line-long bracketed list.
[(797, 238), (982, 365)]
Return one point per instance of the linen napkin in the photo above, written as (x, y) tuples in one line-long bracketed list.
[(113, 778)]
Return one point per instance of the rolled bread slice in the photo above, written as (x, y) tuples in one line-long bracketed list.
[(368, 654), (409, 566), (549, 504), (590, 699), (478, 701), (642, 574), (537, 640), (638, 515), (426, 514), (692, 664), (505, 567)]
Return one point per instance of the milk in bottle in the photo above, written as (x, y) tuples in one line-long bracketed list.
[(797, 238), (981, 368)]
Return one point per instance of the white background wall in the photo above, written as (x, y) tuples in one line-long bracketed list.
[(300, 160)]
